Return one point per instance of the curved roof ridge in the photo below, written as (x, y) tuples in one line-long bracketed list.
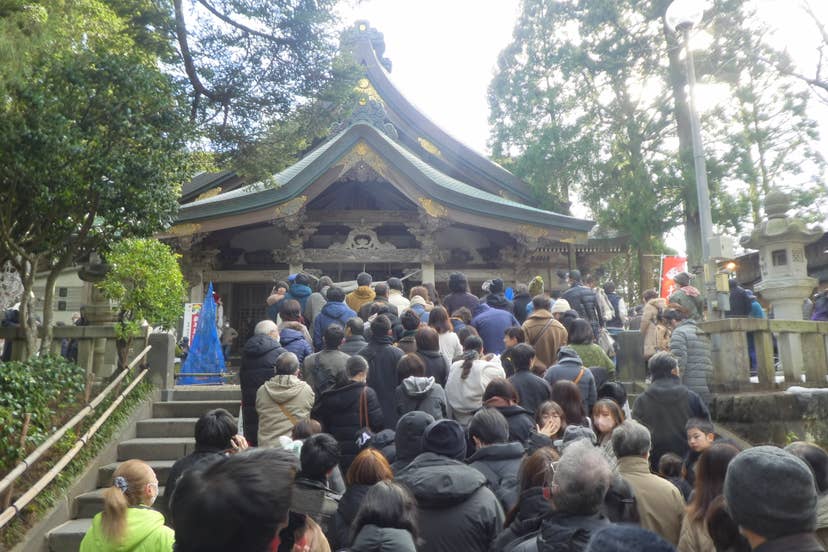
[(381, 79)]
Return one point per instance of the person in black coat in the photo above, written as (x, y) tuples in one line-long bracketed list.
[(496, 458), (582, 299), (428, 349), (496, 297), (382, 359), (257, 366), (531, 390), (740, 301), (409, 437), (500, 394), (354, 338), (459, 296), (338, 410), (456, 510), (215, 435), (521, 301)]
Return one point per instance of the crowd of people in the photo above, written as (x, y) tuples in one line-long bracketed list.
[(407, 421)]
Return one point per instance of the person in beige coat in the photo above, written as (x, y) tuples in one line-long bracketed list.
[(659, 502), (544, 332), (282, 401), (655, 334)]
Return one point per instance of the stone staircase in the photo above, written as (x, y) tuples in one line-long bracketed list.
[(160, 441)]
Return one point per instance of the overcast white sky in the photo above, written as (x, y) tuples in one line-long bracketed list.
[(444, 53)]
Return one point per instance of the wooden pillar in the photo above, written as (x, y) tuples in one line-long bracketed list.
[(573, 258)]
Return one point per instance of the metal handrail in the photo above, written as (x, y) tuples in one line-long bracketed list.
[(35, 455), (49, 476)]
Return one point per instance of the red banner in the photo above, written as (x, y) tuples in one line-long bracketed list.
[(670, 266)]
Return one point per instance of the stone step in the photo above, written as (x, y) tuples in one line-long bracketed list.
[(166, 427), (89, 504), (206, 393), (68, 536), (192, 409), (160, 467), (156, 448)]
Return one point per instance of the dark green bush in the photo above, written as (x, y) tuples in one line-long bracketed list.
[(49, 388)]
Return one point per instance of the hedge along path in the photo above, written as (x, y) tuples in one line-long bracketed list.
[(47, 478)]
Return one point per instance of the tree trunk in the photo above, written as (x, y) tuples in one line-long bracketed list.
[(643, 273), (26, 270), (48, 310)]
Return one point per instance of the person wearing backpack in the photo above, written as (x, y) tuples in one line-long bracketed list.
[(496, 458)]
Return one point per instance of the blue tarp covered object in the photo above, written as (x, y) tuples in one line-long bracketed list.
[(205, 351)]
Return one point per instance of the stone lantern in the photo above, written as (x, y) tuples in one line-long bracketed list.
[(781, 242)]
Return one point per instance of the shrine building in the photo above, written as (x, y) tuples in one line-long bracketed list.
[(389, 193)]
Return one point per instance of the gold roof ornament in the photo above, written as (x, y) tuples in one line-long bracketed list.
[(184, 229), (362, 155), (429, 147), (290, 208), (433, 208)]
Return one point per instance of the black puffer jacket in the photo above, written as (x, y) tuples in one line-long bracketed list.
[(437, 365), (499, 301), (258, 365), (338, 412), (531, 389), (457, 511), (500, 464), (382, 359), (532, 506), (339, 535), (372, 538), (520, 422), (562, 531), (582, 299)]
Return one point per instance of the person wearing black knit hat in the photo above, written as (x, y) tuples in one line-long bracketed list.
[(771, 495), (497, 298), (456, 509)]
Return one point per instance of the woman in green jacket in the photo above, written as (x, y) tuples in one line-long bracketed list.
[(581, 340), (127, 523)]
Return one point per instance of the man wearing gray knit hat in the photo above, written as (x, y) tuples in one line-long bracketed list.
[(771, 495)]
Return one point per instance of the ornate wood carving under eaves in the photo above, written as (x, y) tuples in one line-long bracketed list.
[(363, 237)]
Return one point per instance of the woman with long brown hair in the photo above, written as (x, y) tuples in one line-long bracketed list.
[(127, 520), (449, 342), (710, 475), (368, 468), (532, 505)]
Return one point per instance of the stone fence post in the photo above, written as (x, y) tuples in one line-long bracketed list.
[(161, 360)]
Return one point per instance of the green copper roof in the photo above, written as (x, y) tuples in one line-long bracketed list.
[(431, 183)]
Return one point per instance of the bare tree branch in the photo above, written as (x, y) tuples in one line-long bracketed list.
[(186, 56), (230, 21)]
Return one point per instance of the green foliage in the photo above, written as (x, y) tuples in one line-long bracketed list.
[(92, 139), (145, 279), (574, 109), (56, 491), (250, 63), (588, 102), (45, 387)]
